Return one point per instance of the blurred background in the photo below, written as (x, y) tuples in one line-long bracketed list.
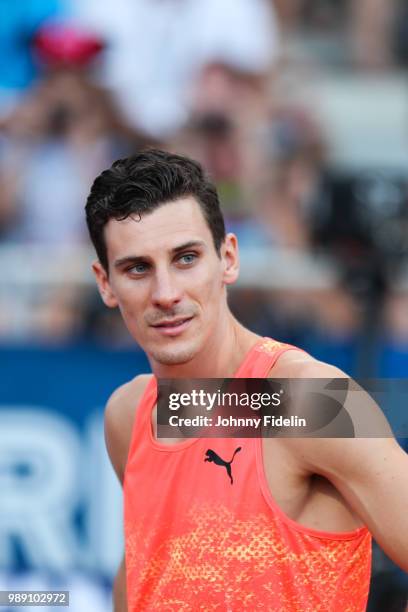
[(299, 110)]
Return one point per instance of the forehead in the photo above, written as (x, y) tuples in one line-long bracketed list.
[(165, 228)]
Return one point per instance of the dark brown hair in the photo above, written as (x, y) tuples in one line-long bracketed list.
[(141, 183)]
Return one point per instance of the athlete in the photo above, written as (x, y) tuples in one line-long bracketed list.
[(225, 524)]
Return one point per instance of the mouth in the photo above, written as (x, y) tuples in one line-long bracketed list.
[(172, 327)]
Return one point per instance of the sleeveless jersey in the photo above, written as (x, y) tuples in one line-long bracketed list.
[(194, 541)]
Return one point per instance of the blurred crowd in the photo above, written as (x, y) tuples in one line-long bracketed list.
[(84, 82)]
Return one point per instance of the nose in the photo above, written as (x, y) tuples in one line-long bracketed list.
[(165, 292)]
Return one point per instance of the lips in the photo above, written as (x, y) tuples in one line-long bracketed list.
[(172, 327), (172, 322)]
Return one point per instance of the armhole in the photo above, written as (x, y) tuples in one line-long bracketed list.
[(267, 493), (359, 532)]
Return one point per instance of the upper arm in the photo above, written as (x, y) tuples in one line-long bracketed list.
[(371, 473), (119, 417)]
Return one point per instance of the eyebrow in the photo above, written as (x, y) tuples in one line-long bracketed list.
[(134, 259)]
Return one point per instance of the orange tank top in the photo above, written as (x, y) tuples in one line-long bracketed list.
[(194, 542)]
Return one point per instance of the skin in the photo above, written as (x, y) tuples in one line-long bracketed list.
[(151, 281), (331, 484)]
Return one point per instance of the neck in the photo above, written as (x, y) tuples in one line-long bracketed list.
[(220, 357)]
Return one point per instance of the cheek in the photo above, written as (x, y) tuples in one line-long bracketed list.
[(211, 288), (130, 299)]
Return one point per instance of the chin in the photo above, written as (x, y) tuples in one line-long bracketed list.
[(174, 355)]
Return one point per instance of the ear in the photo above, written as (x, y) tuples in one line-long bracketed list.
[(230, 257), (103, 285)]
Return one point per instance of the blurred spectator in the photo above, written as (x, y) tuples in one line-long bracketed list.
[(229, 106), (157, 47), (371, 31), (294, 152), (364, 27), (64, 132), (19, 20)]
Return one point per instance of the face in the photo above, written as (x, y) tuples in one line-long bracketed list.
[(167, 279)]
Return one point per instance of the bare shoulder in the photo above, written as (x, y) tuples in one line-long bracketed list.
[(297, 364), (364, 414), (119, 417)]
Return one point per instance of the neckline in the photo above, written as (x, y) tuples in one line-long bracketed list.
[(189, 441)]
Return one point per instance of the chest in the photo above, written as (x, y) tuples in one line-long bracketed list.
[(305, 498), (289, 489)]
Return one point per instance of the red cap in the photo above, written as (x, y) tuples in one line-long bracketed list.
[(68, 45)]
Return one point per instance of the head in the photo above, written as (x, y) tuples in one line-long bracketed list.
[(163, 255)]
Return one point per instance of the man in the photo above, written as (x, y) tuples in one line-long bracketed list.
[(224, 524)]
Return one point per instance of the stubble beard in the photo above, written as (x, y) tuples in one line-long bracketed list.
[(174, 356)]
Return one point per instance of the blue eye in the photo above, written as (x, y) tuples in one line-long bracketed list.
[(139, 268), (188, 258)]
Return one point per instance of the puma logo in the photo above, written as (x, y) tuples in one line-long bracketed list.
[(212, 456)]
